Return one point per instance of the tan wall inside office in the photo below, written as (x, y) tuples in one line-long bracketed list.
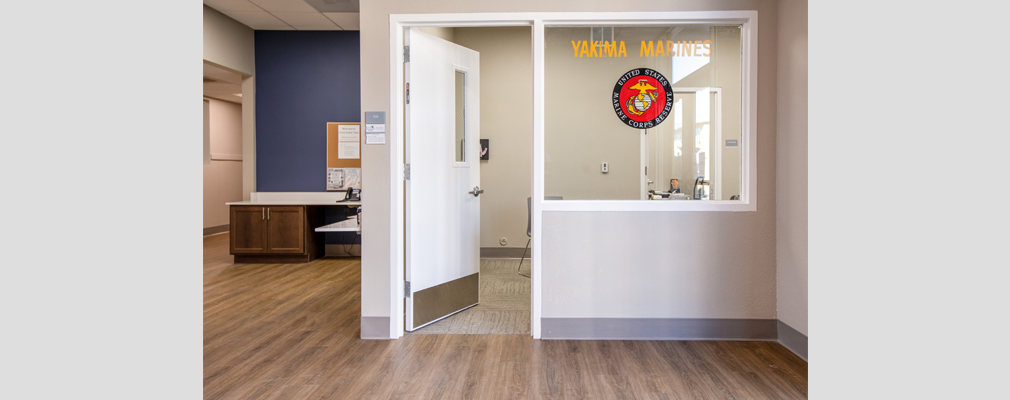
[(729, 261), (222, 179)]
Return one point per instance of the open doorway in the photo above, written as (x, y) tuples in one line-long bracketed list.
[(222, 145), (502, 151)]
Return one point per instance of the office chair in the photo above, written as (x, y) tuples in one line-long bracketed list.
[(529, 229)]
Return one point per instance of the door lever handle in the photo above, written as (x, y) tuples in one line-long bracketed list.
[(477, 191)]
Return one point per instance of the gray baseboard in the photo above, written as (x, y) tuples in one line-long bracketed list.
[(375, 328), (658, 329), (215, 230), (343, 250), (793, 340), (504, 252)]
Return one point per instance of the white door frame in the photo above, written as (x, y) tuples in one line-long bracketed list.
[(397, 23)]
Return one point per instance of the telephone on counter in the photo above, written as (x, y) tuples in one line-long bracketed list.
[(352, 195)]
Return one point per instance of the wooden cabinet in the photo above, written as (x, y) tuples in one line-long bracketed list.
[(276, 234)]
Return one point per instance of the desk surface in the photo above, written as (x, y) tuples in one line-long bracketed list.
[(294, 203), (347, 225)]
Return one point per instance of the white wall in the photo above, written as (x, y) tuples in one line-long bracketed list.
[(729, 261), (791, 176), (222, 177), (230, 44)]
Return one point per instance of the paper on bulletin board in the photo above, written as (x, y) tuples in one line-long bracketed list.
[(352, 178), (349, 133), (343, 178), (334, 178), (348, 150)]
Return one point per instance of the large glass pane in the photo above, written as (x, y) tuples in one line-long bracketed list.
[(643, 112)]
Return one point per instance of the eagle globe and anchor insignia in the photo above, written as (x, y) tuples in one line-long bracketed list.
[(642, 98)]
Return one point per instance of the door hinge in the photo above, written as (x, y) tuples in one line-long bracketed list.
[(406, 172), (406, 54), (406, 289), (408, 92)]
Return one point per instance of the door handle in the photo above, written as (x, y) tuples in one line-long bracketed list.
[(268, 214), (263, 213), (477, 191)]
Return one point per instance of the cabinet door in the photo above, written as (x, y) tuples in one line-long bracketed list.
[(286, 230), (248, 230)]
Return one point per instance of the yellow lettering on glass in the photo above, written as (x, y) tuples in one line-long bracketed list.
[(584, 48), (646, 50), (609, 48)]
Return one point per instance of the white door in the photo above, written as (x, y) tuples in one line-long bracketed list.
[(443, 203)]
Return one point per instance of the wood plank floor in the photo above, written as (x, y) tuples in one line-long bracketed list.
[(290, 331)]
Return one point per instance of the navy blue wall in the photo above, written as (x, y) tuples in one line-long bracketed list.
[(304, 79)]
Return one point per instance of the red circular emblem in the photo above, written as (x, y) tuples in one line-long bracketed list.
[(642, 98)]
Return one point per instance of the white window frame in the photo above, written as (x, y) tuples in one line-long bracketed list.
[(748, 19)]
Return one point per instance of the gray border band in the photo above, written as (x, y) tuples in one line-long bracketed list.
[(216, 229), (504, 252), (793, 340), (658, 329), (375, 327)]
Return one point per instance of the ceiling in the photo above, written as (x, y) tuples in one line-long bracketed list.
[(222, 84), (291, 15)]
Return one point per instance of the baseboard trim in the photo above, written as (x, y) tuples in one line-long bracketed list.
[(341, 250), (503, 252), (792, 340), (376, 328), (658, 329), (214, 230)]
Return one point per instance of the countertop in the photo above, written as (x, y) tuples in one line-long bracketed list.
[(294, 203)]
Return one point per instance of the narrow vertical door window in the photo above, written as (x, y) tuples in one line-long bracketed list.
[(460, 117)]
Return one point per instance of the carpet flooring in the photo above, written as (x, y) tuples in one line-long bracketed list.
[(504, 306)]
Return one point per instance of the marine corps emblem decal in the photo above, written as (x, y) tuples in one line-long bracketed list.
[(642, 98)]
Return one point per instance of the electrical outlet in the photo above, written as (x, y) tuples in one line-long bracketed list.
[(605, 168), (503, 241)]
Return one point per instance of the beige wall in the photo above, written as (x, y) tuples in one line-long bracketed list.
[(227, 43), (230, 44), (506, 117), (222, 177), (729, 262), (791, 178)]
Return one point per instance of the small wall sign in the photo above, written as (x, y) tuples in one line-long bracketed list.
[(484, 152), (642, 98)]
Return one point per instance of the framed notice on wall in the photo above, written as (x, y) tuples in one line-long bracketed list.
[(343, 155)]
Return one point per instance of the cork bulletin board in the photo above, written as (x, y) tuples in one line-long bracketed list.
[(343, 155)]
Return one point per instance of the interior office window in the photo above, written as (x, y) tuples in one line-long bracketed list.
[(643, 112)]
